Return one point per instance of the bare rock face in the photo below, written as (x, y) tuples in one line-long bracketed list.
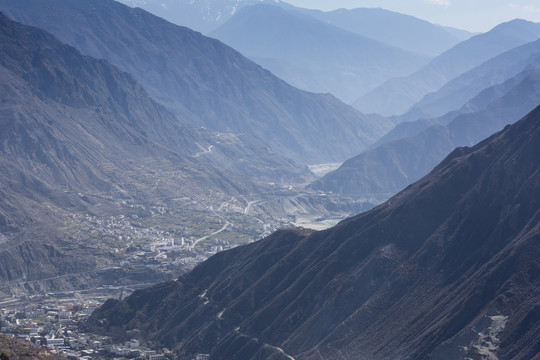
[(431, 274)]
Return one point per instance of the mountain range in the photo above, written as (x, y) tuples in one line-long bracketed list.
[(396, 96), (415, 148), (446, 269), (88, 118), (395, 29), (455, 93), (200, 15), (445, 104), (204, 82), (119, 115), (349, 66), (312, 54), (77, 133), (79, 136)]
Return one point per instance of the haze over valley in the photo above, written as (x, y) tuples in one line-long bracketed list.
[(247, 179)]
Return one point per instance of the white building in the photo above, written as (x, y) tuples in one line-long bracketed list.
[(134, 344), (55, 342), (155, 357)]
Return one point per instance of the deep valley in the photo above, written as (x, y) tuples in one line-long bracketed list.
[(290, 184)]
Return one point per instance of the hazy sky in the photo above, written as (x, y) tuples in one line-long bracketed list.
[(472, 15)]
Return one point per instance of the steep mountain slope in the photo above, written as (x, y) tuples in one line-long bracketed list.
[(203, 81), (312, 54), (447, 269), (80, 136), (395, 29), (458, 91), (72, 121), (397, 95), (393, 165)]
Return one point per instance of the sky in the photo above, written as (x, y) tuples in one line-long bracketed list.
[(471, 15)]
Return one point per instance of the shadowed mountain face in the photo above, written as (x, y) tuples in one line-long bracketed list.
[(397, 95), (393, 165), (203, 81), (425, 275), (312, 54)]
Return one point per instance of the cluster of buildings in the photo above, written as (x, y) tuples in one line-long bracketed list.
[(52, 325), (52, 321), (131, 244), (56, 327)]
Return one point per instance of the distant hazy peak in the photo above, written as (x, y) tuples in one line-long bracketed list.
[(199, 15), (396, 29), (398, 95)]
